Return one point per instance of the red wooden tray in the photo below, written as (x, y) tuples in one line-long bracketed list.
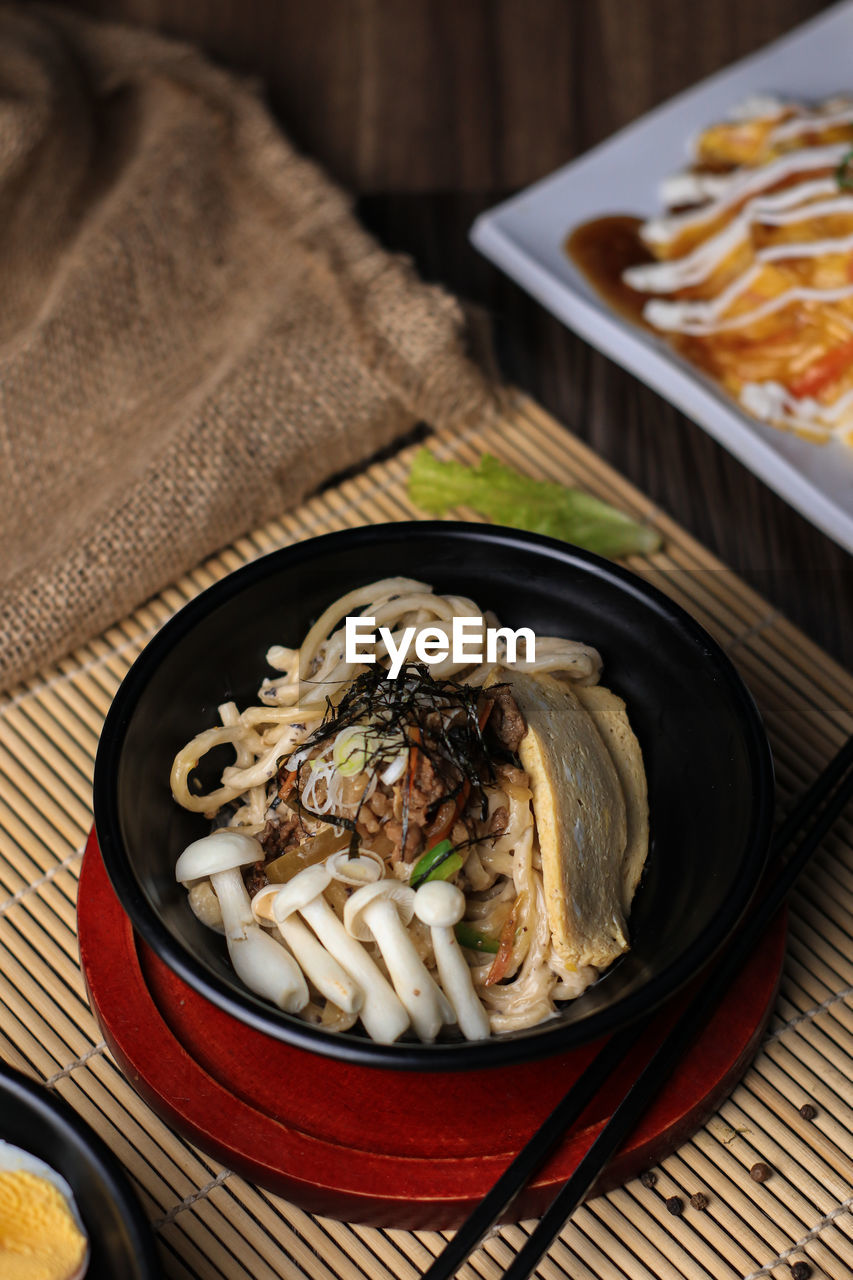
[(405, 1149)]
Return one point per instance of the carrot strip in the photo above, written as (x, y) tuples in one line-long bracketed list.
[(447, 815), (287, 784), (501, 962)]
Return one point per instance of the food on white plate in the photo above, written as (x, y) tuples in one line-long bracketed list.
[(448, 852), (41, 1233), (749, 271)]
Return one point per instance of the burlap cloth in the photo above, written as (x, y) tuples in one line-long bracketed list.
[(194, 330)]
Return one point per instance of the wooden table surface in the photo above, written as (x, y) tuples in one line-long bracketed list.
[(433, 110)]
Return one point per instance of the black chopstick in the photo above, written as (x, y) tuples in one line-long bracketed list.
[(531, 1156), (824, 801), (658, 1070)]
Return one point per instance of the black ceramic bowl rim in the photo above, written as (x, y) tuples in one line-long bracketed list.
[(134, 1256), (465, 1055)]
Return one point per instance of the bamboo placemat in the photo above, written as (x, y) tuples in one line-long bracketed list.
[(211, 1223)]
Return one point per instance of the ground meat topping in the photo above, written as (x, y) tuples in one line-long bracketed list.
[(427, 787), (506, 722), (368, 821), (255, 878), (380, 802), (280, 834), (460, 833), (414, 840)]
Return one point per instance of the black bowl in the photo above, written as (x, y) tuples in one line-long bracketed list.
[(708, 763), (120, 1239)]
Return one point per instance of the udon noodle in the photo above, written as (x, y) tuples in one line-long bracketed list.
[(345, 775)]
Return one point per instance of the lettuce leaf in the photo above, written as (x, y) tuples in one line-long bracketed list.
[(504, 495)]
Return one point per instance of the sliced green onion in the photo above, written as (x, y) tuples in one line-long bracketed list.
[(468, 936), (350, 752), (438, 863)]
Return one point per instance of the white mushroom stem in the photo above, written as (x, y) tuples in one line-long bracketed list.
[(330, 979), (375, 910), (383, 1016), (259, 961), (441, 905)]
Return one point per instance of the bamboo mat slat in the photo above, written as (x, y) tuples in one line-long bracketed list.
[(210, 1223)]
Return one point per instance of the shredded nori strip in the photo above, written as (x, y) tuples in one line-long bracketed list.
[(390, 710)]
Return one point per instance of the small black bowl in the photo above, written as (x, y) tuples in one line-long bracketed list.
[(706, 754), (120, 1238)]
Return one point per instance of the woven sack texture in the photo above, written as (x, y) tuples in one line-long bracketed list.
[(195, 332)]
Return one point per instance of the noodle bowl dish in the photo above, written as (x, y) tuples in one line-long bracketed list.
[(433, 796)]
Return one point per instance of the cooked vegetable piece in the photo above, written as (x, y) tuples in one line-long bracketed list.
[(259, 961), (380, 913), (506, 943), (382, 1014), (324, 971), (440, 906), (844, 172), (508, 497), (468, 936), (438, 863), (448, 813), (289, 864)]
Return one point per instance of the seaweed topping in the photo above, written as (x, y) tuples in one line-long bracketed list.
[(421, 734)]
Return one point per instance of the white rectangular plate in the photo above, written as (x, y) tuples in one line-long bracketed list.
[(525, 236)]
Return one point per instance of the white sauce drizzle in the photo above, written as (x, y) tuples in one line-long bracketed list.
[(696, 266), (700, 318), (806, 249), (817, 209), (807, 121), (688, 188), (741, 184)]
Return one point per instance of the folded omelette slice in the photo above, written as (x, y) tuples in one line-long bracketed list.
[(611, 720), (591, 810)]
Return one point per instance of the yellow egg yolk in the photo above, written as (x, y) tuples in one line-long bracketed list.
[(39, 1238)]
